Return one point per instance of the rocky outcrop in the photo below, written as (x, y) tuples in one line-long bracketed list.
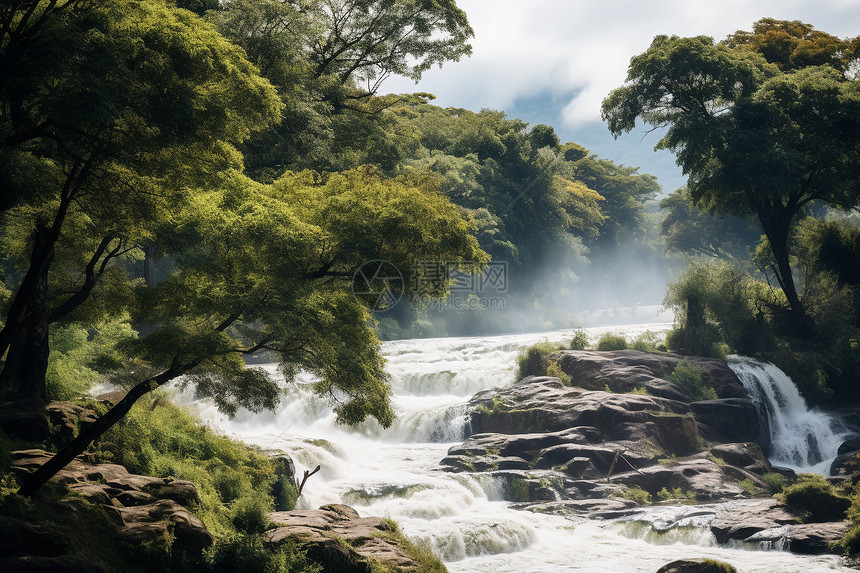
[(621, 431), (770, 524), (36, 421), (697, 566), (142, 508), (625, 370), (338, 538)]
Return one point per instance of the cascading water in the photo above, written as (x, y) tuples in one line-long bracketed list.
[(803, 439), (462, 517)]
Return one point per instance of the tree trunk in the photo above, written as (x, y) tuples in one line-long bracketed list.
[(25, 335), (37, 479), (777, 228)]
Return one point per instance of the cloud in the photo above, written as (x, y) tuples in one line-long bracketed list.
[(583, 47)]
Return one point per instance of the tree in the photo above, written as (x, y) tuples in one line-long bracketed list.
[(268, 267), (691, 231), (111, 112), (328, 59), (753, 139)]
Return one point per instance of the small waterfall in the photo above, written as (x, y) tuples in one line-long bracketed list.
[(803, 439)]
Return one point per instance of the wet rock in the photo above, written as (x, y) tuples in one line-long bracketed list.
[(701, 476), (847, 453), (317, 532), (610, 508), (697, 566), (741, 521), (731, 420), (816, 538)]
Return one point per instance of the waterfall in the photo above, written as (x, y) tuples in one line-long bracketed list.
[(463, 517), (803, 439)]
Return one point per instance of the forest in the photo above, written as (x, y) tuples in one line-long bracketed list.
[(191, 187)]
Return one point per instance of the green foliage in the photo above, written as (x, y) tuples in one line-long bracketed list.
[(748, 486), (553, 369), (234, 481), (245, 553), (80, 354), (716, 310), (648, 341), (534, 360), (693, 379), (636, 494), (251, 514), (640, 390), (611, 341), (676, 493), (518, 489), (775, 481), (776, 115), (689, 230), (579, 340), (816, 498)]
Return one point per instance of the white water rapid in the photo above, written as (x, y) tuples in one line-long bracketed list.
[(803, 439), (463, 517)]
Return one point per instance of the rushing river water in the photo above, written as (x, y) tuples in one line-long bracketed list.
[(463, 517)]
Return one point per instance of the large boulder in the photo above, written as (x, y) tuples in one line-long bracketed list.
[(542, 404), (624, 370), (697, 566), (144, 508), (342, 541), (732, 420), (742, 521)]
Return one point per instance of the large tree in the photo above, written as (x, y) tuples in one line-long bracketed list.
[(110, 112), (270, 268), (757, 137)]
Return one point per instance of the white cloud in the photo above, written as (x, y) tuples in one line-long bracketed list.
[(522, 49)]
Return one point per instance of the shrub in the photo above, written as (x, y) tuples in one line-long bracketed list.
[(246, 553), (579, 340), (636, 494), (774, 481), (648, 341), (816, 498), (251, 514), (534, 360), (611, 341), (692, 378)]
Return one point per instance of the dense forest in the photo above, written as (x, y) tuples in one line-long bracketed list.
[(188, 184)]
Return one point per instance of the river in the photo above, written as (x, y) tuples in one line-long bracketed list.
[(463, 517)]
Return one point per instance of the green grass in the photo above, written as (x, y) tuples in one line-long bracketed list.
[(693, 379)]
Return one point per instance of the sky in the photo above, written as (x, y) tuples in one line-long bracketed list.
[(553, 61)]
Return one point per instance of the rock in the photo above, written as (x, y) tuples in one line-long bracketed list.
[(697, 566), (68, 419), (610, 508), (624, 370), (816, 538), (145, 523), (544, 405), (367, 538), (702, 476), (144, 508), (741, 521), (747, 455), (847, 453), (25, 419), (732, 420)]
